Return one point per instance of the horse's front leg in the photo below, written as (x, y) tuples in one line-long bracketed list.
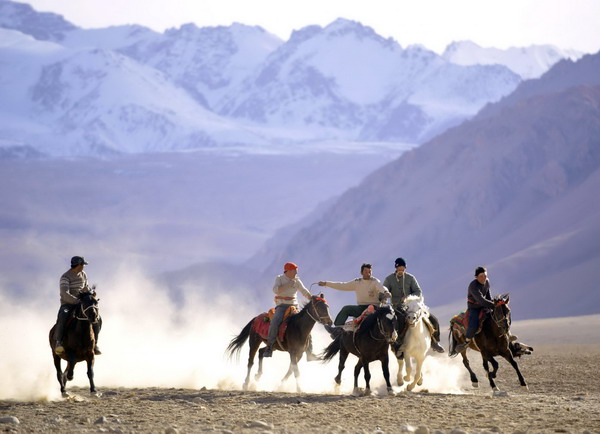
[(515, 365), (385, 367), (367, 379), (294, 359), (357, 369), (408, 362), (417, 380), (489, 374), (474, 380), (400, 369), (90, 373), (60, 376), (70, 367)]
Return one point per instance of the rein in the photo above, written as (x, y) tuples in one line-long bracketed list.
[(85, 317), (318, 318)]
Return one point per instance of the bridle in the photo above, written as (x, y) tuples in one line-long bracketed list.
[(85, 315), (500, 319), (381, 330), (319, 318)]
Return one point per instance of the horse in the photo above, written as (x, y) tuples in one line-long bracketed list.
[(417, 341), (78, 341), (295, 341), (493, 340), (369, 342)]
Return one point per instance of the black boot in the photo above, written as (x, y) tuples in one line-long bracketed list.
[(462, 347), (268, 352), (334, 331), (435, 336)]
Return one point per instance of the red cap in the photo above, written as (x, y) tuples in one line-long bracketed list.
[(290, 266)]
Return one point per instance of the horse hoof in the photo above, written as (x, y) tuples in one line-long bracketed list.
[(420, 382), (357, 391), (407, 378), (390, 391), (96, 394), (410, 387), (525, 387), (367, 392), (400, 382), (65, 394), (475, 384)]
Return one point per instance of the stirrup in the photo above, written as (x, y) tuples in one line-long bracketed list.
[(268, 352), (435, 346), (97, 351)]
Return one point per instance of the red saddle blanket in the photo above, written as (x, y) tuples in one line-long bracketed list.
[(263, 321), (460, 322)]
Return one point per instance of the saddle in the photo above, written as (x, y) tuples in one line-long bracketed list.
[(460, 322), (263, 321)]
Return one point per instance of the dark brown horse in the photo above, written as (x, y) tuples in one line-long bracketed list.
[(493, 340), (370, 342), (295, 341), (78, 341)]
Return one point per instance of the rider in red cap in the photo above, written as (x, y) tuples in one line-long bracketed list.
[(285, 287)]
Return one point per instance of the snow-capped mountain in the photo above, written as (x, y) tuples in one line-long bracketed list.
[(130, 89), (350, 82), (528, 62)]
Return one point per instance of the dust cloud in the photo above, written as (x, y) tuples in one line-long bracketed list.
[(148, 340)]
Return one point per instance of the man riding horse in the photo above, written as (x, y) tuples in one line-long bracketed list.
[(72, 283), (478, 297), (402, 284), (369, 291), (285, 287)]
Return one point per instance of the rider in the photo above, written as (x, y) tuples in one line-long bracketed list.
[(402, 284), (478, 297), (369, 291), (72, 283), (285, 287)]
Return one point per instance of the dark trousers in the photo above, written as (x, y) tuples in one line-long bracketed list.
[(64, 313), (473, 322), (347, 311)]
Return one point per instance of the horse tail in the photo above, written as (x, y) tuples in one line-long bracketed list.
[(238, 342), (332, 349), (451, 343)]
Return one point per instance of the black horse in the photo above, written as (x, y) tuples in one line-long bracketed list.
[(493, 340), (295, 341), (370, 342), (78, 341)]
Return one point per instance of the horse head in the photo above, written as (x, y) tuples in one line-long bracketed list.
[(88, 309), (501, 313), (384, 320), (319, 309), (415, 309)]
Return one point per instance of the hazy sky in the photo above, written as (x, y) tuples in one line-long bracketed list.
[(432, 23)]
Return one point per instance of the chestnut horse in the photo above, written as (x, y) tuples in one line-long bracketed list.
[(493, 340), (295, 341)]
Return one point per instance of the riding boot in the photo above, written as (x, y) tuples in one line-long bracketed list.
[(435, 335), (334, 331), (268, 351), (310, 355), (462, 347), (400, 341), (58, 337), (96, 327)]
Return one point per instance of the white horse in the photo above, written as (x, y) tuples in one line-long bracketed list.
[(417, 341)]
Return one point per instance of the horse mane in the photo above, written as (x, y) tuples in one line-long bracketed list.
[(411, 300), (295, 318), (370, 320)]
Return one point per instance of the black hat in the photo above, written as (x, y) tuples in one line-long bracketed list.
[(400, 262), (479, 270), (77, 260)]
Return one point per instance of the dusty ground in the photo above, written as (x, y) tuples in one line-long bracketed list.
[(563, 396)]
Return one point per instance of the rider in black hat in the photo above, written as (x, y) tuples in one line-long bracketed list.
[(72, 283), (402, 284)]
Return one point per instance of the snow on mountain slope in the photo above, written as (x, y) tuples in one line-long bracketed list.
[(207, 61), (528, 62), (348, 81)]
